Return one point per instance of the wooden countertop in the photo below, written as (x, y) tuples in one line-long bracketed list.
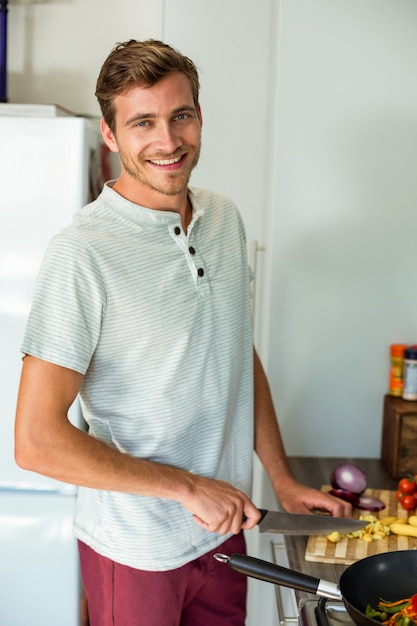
[(315, 472)]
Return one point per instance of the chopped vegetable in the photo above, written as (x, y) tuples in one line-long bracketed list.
[(353, 498), (366, 503), (380, 616), (399, 613), (375, 530), (335, 536)]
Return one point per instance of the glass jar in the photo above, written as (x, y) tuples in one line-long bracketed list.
[(396, 370), (410, 374)]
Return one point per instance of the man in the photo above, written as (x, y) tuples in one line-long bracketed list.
[(142, 307)]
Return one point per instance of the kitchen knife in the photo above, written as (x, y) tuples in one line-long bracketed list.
[(299, 524)]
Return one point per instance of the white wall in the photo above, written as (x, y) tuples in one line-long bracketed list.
[(343, 242), (56, 48)]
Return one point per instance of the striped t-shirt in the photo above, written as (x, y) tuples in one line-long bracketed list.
[(159, 323)]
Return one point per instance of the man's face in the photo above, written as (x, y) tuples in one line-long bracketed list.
[(158, 136)]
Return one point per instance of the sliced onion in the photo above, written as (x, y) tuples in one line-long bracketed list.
[(348, 496), (348, 477), (367, 503)]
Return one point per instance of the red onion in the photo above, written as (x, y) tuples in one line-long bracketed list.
[(348, 496), (348, 477), (366, 503)]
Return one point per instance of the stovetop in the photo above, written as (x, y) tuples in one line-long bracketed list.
[(324, 613)]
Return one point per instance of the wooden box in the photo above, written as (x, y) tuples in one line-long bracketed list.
[(399, 437)]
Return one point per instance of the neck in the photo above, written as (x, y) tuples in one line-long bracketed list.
[(150, 199)]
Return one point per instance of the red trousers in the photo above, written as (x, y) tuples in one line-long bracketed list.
[(201, 593)]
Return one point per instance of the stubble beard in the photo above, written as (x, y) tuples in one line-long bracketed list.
[(172, 184)]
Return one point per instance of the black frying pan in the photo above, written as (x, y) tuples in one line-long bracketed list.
[(391, 576)]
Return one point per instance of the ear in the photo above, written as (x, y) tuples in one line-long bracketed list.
[(200, 117), (108, 136)]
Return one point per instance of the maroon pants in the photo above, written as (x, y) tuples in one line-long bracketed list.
[(201, 593)]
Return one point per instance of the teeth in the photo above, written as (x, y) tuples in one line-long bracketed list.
[(165, 161)]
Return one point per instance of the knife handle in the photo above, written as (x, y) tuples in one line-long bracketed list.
[(263, 512)]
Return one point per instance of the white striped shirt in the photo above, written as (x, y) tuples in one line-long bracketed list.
[(159, 323)]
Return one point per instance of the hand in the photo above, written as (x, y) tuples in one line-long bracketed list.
[(219, 507), (298, 498)]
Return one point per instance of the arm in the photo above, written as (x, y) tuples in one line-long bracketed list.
[(293, 496), (46, 442)]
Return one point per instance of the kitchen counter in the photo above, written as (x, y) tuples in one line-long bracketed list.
[(315, 472)]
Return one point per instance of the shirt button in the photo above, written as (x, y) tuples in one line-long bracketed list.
[(200, 272), (177, 230), (191, 250)]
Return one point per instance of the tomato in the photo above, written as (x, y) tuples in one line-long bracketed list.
[(408, 501), (398, 495), (407, 485)]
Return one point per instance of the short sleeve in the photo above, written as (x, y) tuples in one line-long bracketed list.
[(67, 308)]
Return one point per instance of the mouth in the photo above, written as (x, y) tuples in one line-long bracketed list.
[(165, 162)]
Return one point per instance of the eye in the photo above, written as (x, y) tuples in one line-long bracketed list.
[(182, 116), (142, 124)]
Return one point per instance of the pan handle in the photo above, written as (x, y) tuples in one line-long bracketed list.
[(272, 573)]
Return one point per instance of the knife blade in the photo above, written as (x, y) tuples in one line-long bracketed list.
[(298, 524)]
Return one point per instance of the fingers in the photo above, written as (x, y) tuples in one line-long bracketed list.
[(305, 499), (223, 522), (336, 506), (222, 527), (340, 508), (225, 510)]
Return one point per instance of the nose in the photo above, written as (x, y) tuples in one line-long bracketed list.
[(168, 140)]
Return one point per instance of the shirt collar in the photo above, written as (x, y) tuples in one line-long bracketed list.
[(143, 215)]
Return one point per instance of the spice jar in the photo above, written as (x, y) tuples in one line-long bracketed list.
[(410, 374), (396, 369)]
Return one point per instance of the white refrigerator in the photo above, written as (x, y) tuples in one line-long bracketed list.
[(50, 166)]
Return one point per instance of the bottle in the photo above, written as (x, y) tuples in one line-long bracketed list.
[(396, 370), (410, 374)]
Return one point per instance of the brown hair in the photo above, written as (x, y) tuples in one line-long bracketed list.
[(141, 63)]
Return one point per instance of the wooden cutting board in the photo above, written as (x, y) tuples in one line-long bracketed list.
[(347, 551)]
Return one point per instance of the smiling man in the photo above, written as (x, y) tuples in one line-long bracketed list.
[(158, 138), (142, 308)]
